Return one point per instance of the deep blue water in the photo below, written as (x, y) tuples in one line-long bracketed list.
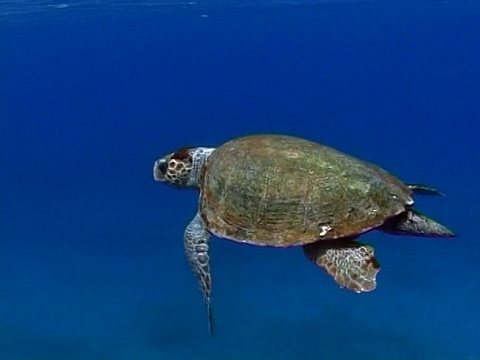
[(91, 257)]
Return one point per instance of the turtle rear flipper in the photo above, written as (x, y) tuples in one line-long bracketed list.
[(424, 190), (351, 264), (411, 222)]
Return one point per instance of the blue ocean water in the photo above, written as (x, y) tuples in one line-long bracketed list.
[(92, 93)]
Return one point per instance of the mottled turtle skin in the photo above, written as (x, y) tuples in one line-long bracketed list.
[(283, 191)]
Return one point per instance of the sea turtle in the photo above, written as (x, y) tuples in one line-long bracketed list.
[(282, 191)]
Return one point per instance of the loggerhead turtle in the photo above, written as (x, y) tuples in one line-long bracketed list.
[(283, 191)]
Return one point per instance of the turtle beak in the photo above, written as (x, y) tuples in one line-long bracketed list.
[(160, 169)]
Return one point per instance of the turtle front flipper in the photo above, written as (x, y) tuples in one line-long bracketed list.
[(195, 242), (351, 263), (413, 223)]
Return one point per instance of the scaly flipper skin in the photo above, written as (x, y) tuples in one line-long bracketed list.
[(414, 223), (351, 263), (195, 242), (424, 190)]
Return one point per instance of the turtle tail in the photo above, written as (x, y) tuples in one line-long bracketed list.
[(412, 222)]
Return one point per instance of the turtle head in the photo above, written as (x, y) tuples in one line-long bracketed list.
[(182, 167)]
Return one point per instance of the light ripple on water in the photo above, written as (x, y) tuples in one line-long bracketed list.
[(16, 11)]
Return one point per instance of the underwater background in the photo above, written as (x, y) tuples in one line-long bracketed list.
[(91, 254)]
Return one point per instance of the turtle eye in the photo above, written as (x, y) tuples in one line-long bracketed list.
[(162, 167)]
